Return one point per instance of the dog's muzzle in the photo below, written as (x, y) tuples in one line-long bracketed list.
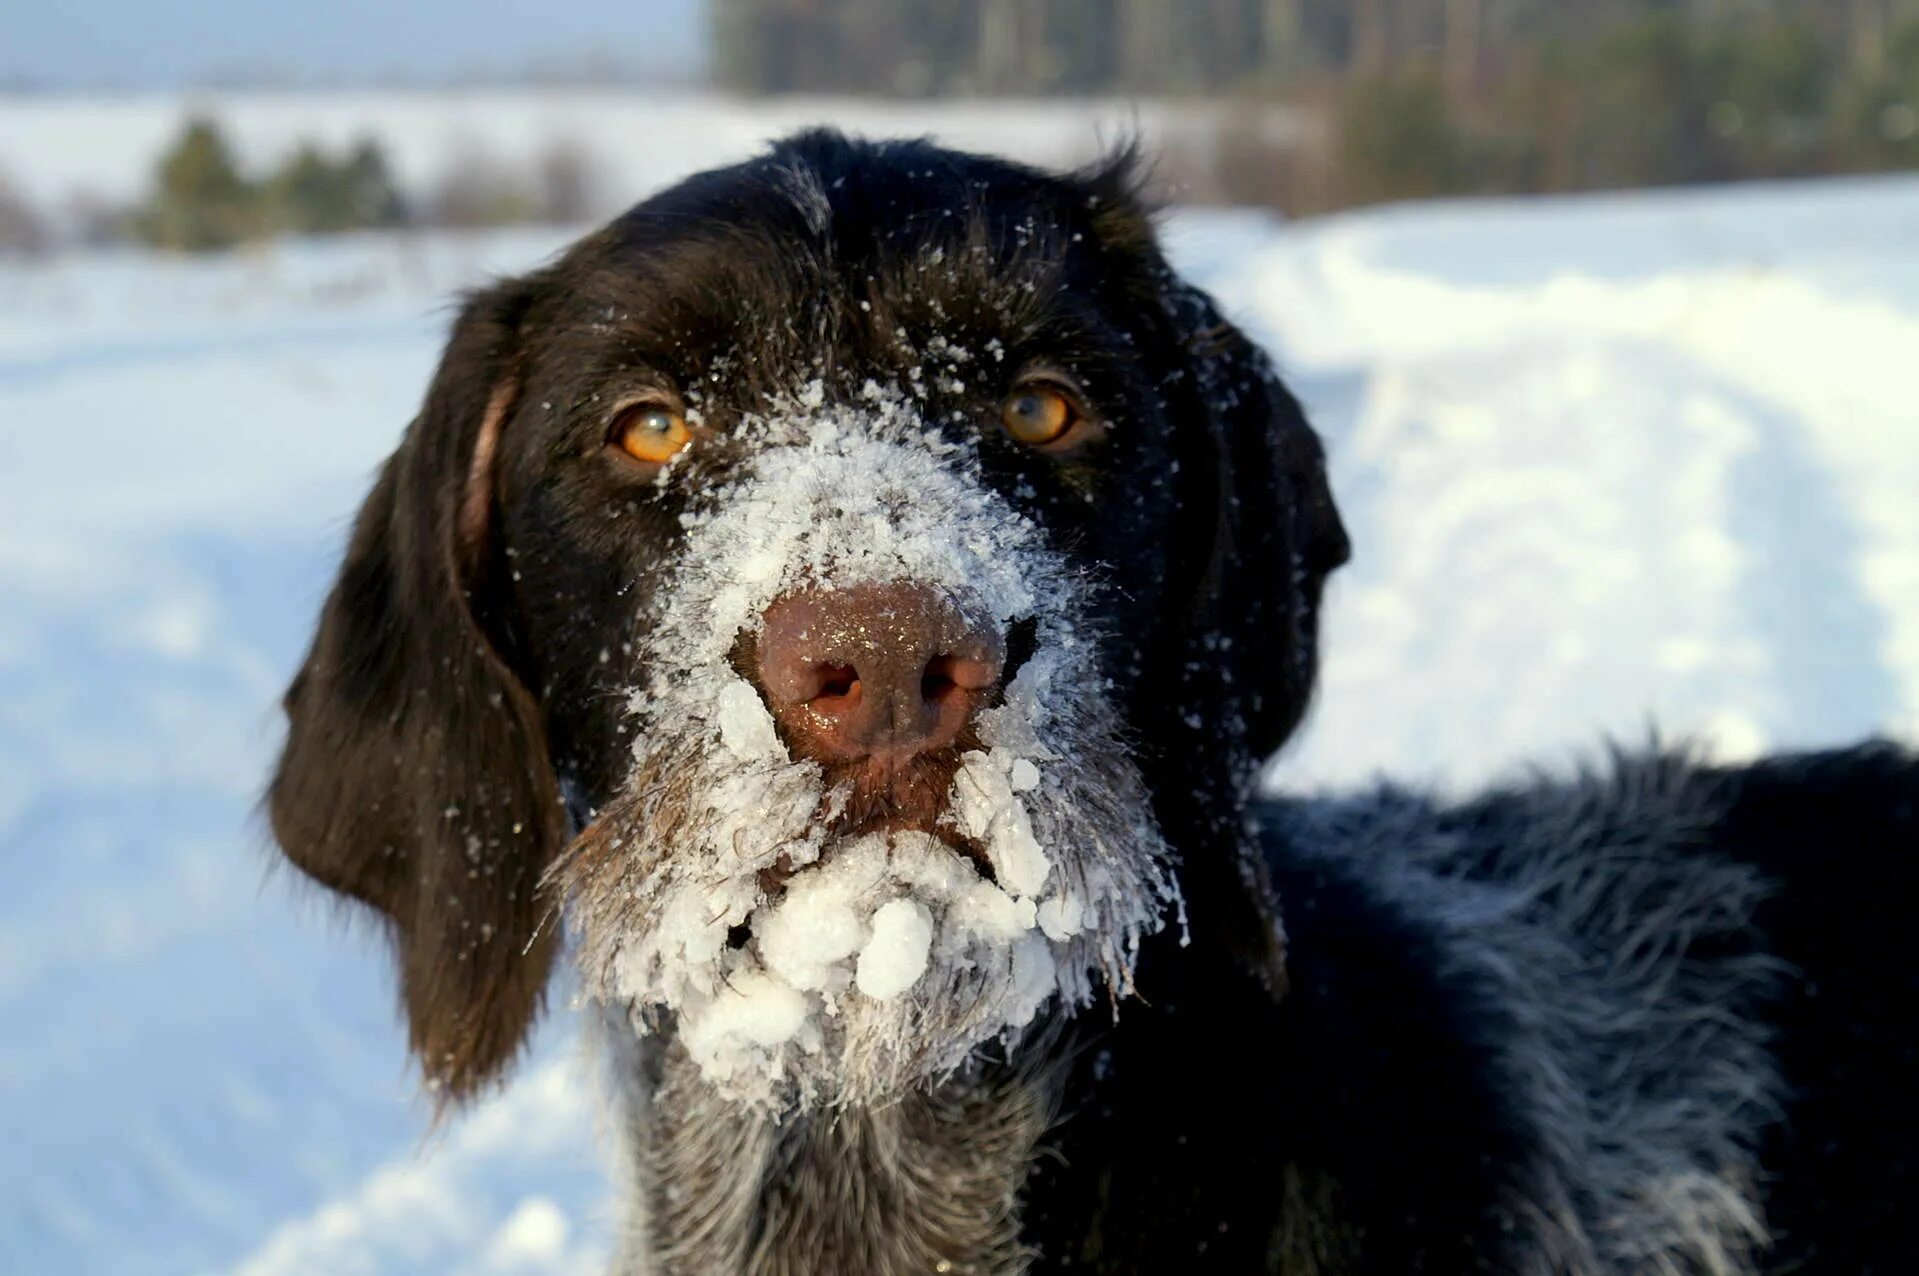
[(882, 809)]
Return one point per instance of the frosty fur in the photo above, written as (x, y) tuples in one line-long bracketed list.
[(1586, 944), (889, 960)]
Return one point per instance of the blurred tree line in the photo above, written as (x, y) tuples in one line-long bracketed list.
[(1404, 98), (201, 199)]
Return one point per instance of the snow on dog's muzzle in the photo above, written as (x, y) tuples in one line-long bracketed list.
[(843, 864)]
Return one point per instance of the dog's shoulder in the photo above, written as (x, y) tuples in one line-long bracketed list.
[(1668, 991), (1836, 835)]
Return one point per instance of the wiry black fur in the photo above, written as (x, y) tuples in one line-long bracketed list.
[(1347, 1062), (1707, 959), (1838, 833)]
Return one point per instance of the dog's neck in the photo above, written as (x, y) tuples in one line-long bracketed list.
[(927, 1183)]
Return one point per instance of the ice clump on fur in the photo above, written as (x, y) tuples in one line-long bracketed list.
[(988, 810), (873, 961), (746, 728), (895, 957)]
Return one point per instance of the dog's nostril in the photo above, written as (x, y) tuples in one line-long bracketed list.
[(837, 682), (949, 675), (937, 682)]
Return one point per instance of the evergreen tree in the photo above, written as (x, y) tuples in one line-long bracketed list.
[(370, 189), (309, 196), (314, 193), (199, 198)]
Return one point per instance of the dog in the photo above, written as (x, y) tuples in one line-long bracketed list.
[(850, 596)]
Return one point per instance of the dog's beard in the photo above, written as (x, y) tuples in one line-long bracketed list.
[(805, 966)]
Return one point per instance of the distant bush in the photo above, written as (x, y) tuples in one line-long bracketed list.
[(1875, 114), (91, 220), (1643, 105), (568, 183), (199, 199), (478, 191), (21, 229), (1766, 89), (314, 193), (1396, 139)]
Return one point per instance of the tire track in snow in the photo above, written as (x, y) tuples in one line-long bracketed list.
[(1825, 636)]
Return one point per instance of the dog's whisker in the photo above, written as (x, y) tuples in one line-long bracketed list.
[(547, 917)]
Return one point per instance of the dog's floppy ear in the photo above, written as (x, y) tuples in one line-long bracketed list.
[(415, 777), (1275, 536)]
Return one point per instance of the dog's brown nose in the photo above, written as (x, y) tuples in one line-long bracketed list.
[(880, 672)]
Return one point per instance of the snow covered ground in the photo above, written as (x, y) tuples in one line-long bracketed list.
[(1606, 462)]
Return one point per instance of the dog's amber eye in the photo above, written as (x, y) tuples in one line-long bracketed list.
[(1037, 414), (651, 434)]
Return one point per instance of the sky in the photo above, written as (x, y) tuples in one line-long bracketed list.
[(151, 44)]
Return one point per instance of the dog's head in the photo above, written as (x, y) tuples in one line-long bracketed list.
[(821, 583)]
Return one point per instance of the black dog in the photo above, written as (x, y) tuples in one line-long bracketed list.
[(854, 589)]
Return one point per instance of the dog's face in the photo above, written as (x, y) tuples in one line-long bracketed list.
[(829, 583)]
